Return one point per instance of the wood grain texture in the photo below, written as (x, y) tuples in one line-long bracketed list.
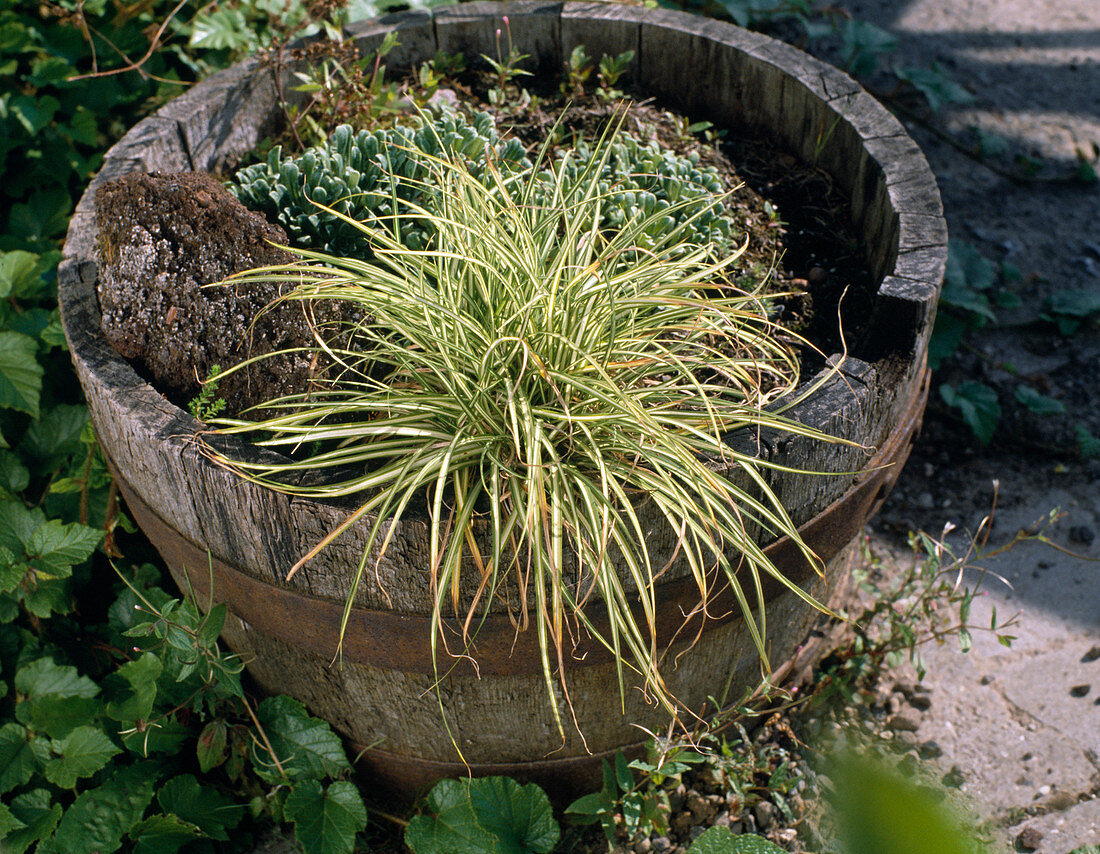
[(734, 78)]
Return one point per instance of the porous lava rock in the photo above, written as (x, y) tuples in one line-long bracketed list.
[(162, 238)]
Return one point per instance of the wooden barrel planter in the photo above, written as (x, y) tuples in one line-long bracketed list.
[(233, 541)]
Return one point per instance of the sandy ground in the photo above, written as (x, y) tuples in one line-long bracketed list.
[(1022, 725)]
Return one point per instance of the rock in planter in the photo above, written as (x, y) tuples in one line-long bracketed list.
[(383, 693)]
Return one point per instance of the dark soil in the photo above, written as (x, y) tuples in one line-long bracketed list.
[(161, 239)]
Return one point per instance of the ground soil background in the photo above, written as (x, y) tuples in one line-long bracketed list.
[(1021, 725)]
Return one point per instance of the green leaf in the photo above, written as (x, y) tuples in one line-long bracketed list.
[(1074, 303), (936, 85), (306, 746), (34, 113), (877, 810), (8, 822), (520, 817), (20, 373), (57, 716), (326, 822), (99, 818), (978, 404), (20, 756), (131, 690), (722, 840), (968, 268), (39, 816), (1087, 444), (210, 747), (1038, 403), (1086, 849), (18, 270), (206, 808), (163, 834), (55, 436), (14, 476), (82, 753), (56, 547), (44, 676), (864, 45), (451, 826)]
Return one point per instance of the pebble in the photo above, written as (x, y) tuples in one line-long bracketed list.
[(925, 501), (930, 750), (921, 702), (1080, 690), (660, 844), (1029, 838), (643, 846), (903, 723), (764, 813), (1091, 656)]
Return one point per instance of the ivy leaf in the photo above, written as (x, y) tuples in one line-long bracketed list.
[(306, 746), (39, 815), (722, 840), (20, 373), (326, 822), (205, 808), (82, 753), (978, 404), (520, 817), (1038, 403), (20, 756), (132, 689), (163, 834), (99, 818)]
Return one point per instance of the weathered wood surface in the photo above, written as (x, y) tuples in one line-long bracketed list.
[(734, 78)]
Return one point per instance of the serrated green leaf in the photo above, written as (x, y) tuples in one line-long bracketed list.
[(56, 547), (39, 816), (99, 818), (55, 436), (57, 716), (20, 373), (722, 840), (1087, 444), (325, 821), (14, 476), (210, 748), (450, 826), (44, 676), (47, 597), (978, 404), (12, 570), (163, 834), (18, 270), (1038, 403), (306, 746), (132, 689), (81, 753), (34, 113), (20, 756), (520, 817), (206, 808), (8, 821)]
